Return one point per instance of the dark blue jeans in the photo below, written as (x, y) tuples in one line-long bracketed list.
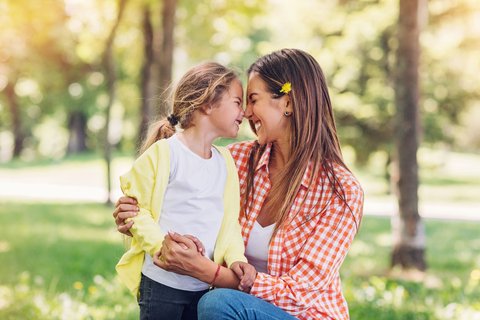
[(228, 304), (157, 301)]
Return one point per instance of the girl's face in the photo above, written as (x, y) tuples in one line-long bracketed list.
[(227, 116), (267, 113)]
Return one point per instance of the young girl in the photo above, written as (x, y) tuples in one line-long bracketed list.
[(185, 185)]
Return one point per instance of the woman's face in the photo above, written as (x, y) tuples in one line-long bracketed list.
[(267, 113)]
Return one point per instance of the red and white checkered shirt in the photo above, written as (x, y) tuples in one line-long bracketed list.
[(305, 255)]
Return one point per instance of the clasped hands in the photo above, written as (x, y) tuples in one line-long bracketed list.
[(182, 254)]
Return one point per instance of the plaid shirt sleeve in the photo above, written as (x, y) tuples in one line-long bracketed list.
[(319, 261)]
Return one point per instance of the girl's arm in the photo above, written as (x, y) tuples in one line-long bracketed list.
[(141, 183)]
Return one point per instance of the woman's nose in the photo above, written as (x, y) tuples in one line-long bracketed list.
[(248, 111)]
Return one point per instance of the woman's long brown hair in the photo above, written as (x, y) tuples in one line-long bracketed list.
[(313, 132)]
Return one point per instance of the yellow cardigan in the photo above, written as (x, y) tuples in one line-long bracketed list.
[(147, 182)]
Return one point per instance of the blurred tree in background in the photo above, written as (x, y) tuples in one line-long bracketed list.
[(408, 228), (53, 89)]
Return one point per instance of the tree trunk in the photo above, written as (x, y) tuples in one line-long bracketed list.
[(408, 229), (16, 120), (157, 68), (111, 77), (77, 124), (148, 83), (164, 53)]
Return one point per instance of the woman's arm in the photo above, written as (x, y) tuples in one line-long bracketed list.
[(188, 261), (125, 208)]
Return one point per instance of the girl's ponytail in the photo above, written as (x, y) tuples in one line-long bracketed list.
[(161, 129)]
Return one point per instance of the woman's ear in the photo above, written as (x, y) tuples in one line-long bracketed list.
[(288, 104)]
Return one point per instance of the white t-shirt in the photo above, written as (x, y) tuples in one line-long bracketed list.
[(193, 204), (257, 246)]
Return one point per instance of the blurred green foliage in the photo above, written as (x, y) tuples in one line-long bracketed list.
[(52, 60)]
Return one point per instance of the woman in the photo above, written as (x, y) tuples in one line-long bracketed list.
[(301, 206)]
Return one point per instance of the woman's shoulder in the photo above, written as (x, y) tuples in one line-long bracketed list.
[(240, 152), (241, 146), (347, 179), (240, 149)]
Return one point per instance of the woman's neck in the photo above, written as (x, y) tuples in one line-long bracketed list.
[(198, 140), (279, 155)]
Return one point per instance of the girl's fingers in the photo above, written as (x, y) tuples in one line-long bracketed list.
[(198, 243), (182, 240)]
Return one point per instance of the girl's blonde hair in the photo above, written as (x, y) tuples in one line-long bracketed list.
[(200, 86)]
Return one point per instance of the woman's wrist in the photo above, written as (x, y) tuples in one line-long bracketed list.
[(217, 273), (205, 270)]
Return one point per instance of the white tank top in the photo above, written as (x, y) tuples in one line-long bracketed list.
[(257, 246), (193, 204)]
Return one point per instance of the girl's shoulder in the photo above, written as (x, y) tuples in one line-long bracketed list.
[(159, 145), (156, 150)]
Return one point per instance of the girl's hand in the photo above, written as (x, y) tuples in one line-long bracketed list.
[(198, 243), (125, 208), (246, 273)]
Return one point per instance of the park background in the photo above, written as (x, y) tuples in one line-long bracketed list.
[(78, 78)]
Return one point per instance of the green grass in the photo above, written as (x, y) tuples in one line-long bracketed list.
[(67, 242), (75, 159), (449, 290), (453, 247), (59, 259), (58, 252)]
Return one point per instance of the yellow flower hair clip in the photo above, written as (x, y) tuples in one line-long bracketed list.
[(286, 88)]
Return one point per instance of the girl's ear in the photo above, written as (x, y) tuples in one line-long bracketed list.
[(205, 109)]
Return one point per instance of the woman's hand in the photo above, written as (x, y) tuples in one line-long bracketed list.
[(125, 208), (180, 254)]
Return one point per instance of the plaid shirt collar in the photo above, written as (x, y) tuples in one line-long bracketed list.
[(265, 159)]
